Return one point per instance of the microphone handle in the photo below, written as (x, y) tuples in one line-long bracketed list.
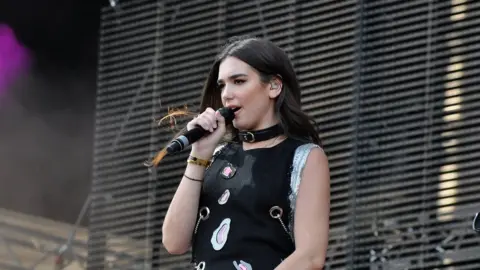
[(186, 139), (197, 133)]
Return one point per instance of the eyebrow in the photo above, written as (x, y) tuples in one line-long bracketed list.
[(233, 77)]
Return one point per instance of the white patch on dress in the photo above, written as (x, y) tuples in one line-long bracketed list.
[(200, 266), (220, 235), (242, 265), (224, 198)]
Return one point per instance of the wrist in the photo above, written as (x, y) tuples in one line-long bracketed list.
[(198, 161), (202, 154)]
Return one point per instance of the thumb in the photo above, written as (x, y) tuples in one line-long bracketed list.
[(220, 119)]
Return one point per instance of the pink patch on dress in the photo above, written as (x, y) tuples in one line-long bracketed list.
[(228, 171), (220, 235), (242, 265)]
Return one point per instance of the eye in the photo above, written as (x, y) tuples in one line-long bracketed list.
[(220, 86), (238, 81)]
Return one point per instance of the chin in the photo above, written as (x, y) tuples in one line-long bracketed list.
[(238, 125)]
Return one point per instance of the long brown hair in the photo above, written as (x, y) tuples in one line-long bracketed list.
[(269, 61)]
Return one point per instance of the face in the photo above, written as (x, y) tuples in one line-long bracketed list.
[(240, 86)]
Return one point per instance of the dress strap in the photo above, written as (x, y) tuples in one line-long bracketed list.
[(299, 161), (218, 149)]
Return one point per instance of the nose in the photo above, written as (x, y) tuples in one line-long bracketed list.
[(227, 93)]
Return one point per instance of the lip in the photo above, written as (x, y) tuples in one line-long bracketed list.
[(237, 110), (234, 108)]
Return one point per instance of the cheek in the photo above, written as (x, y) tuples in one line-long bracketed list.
[(252, 96), (258, 101)]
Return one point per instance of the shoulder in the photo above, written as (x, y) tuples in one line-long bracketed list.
[(316, 160), (309, 160), (315, 152), (307, 155), (308, 151)]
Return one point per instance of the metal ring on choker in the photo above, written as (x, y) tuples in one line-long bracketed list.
[(260, 135)]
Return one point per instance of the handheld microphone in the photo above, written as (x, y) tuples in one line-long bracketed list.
[(198, 132)]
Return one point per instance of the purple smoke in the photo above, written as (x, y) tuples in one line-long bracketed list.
[(13, 57)]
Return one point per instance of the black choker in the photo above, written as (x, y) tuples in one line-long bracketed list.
[(260, 135)]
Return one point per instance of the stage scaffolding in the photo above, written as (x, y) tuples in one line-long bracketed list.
[(393, 86)]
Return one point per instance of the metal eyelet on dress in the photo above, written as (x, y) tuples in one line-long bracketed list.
[(203, 214), (276, 212), (200, 266)]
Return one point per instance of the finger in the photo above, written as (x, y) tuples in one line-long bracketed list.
[(211, 116), (212, 121), (190, 125), (206, 120), (205, 123), (219, 118), (210, 110), (220, 121)]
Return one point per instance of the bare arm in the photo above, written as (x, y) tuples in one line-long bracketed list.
[(182, 213), (180, 220), (311, 216)]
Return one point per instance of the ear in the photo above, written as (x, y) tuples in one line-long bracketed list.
[(276, 87)]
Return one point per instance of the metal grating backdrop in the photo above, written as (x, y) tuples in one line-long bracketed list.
[(393, 86)]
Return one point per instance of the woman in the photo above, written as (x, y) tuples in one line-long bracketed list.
[(261, 200)]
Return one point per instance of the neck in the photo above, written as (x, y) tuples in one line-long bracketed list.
[(269, 120), (261, 127), (265, 137), (264, 144)]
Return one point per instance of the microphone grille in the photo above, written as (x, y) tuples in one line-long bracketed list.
[(228, 114)]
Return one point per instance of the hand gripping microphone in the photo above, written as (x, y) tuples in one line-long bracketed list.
[(198, 132)]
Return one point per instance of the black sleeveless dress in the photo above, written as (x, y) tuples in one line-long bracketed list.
[(244, 209)]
